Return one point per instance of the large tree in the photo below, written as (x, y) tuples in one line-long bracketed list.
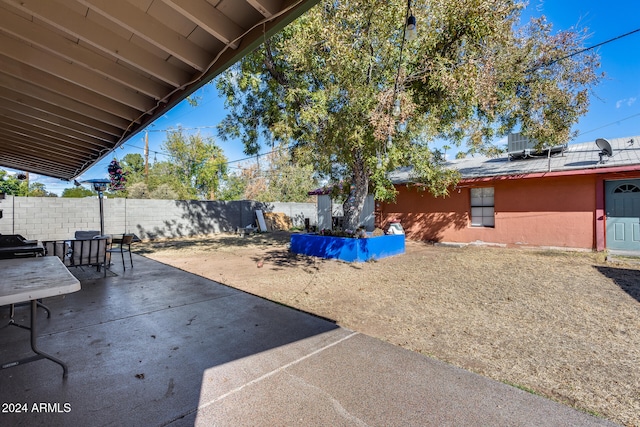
[(197, 162), (38, 189), (78, 192), (233, 187), (194, 170), (352, 97), (133, 166), (287, 181), (275, 178)]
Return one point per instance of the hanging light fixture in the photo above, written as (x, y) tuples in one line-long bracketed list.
[(410, 32)]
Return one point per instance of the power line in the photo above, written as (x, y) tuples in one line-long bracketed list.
[(166, 130), (180, 129), (166, 154), (587, 49), (609, 124)]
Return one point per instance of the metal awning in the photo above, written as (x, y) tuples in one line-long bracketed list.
[(80, 77)]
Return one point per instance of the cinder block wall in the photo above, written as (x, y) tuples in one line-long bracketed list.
[(51, 218), (48, 218)]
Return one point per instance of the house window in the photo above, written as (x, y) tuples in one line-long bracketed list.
[(482, 208)]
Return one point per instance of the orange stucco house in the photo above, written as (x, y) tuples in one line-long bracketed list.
[(578, 198)]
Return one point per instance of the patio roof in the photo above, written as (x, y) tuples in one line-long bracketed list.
[(78, 78)]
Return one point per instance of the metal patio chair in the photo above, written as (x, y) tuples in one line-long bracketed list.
[(80, 252), (122, 245)]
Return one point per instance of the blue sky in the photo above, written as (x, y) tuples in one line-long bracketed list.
[(614, 110)]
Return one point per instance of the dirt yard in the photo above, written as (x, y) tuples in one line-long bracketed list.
[(563, 325)]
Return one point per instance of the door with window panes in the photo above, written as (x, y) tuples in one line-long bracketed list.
[(482, 207), (622, 201)]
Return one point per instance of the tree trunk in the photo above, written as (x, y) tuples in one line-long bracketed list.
[(353, 206)]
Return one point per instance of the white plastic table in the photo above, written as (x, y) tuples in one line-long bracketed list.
[(30, 279)]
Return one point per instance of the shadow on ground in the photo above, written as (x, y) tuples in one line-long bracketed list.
[(627, 279), (282, 259), (212, 243)]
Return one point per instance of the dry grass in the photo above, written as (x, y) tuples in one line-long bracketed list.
[(563, 325)]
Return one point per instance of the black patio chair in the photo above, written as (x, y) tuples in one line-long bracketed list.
[(123, 245), (80, 252)]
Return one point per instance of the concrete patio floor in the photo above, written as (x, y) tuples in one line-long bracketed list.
[(157, 346)]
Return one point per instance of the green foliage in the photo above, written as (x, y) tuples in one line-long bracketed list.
[(138, 190), (10, 185), (286, 181), (132, 166), (78, 192), (164, 191), (133, 163), (233, 187), (198, 163), (195, 170), (277, 179), (163, 173), (327, 85), (38, 189)]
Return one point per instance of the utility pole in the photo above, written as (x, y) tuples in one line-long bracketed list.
[(146, 155)]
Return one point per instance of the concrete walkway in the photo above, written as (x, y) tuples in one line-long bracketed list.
[(156, 346)]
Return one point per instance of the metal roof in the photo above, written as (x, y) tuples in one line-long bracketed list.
[(577, 157), (80, 77)]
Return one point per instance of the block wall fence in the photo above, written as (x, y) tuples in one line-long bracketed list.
[(54, 218)]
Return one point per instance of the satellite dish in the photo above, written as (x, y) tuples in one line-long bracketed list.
[(604, 145)]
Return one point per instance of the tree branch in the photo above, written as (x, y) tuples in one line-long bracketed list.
[(269, 63)]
